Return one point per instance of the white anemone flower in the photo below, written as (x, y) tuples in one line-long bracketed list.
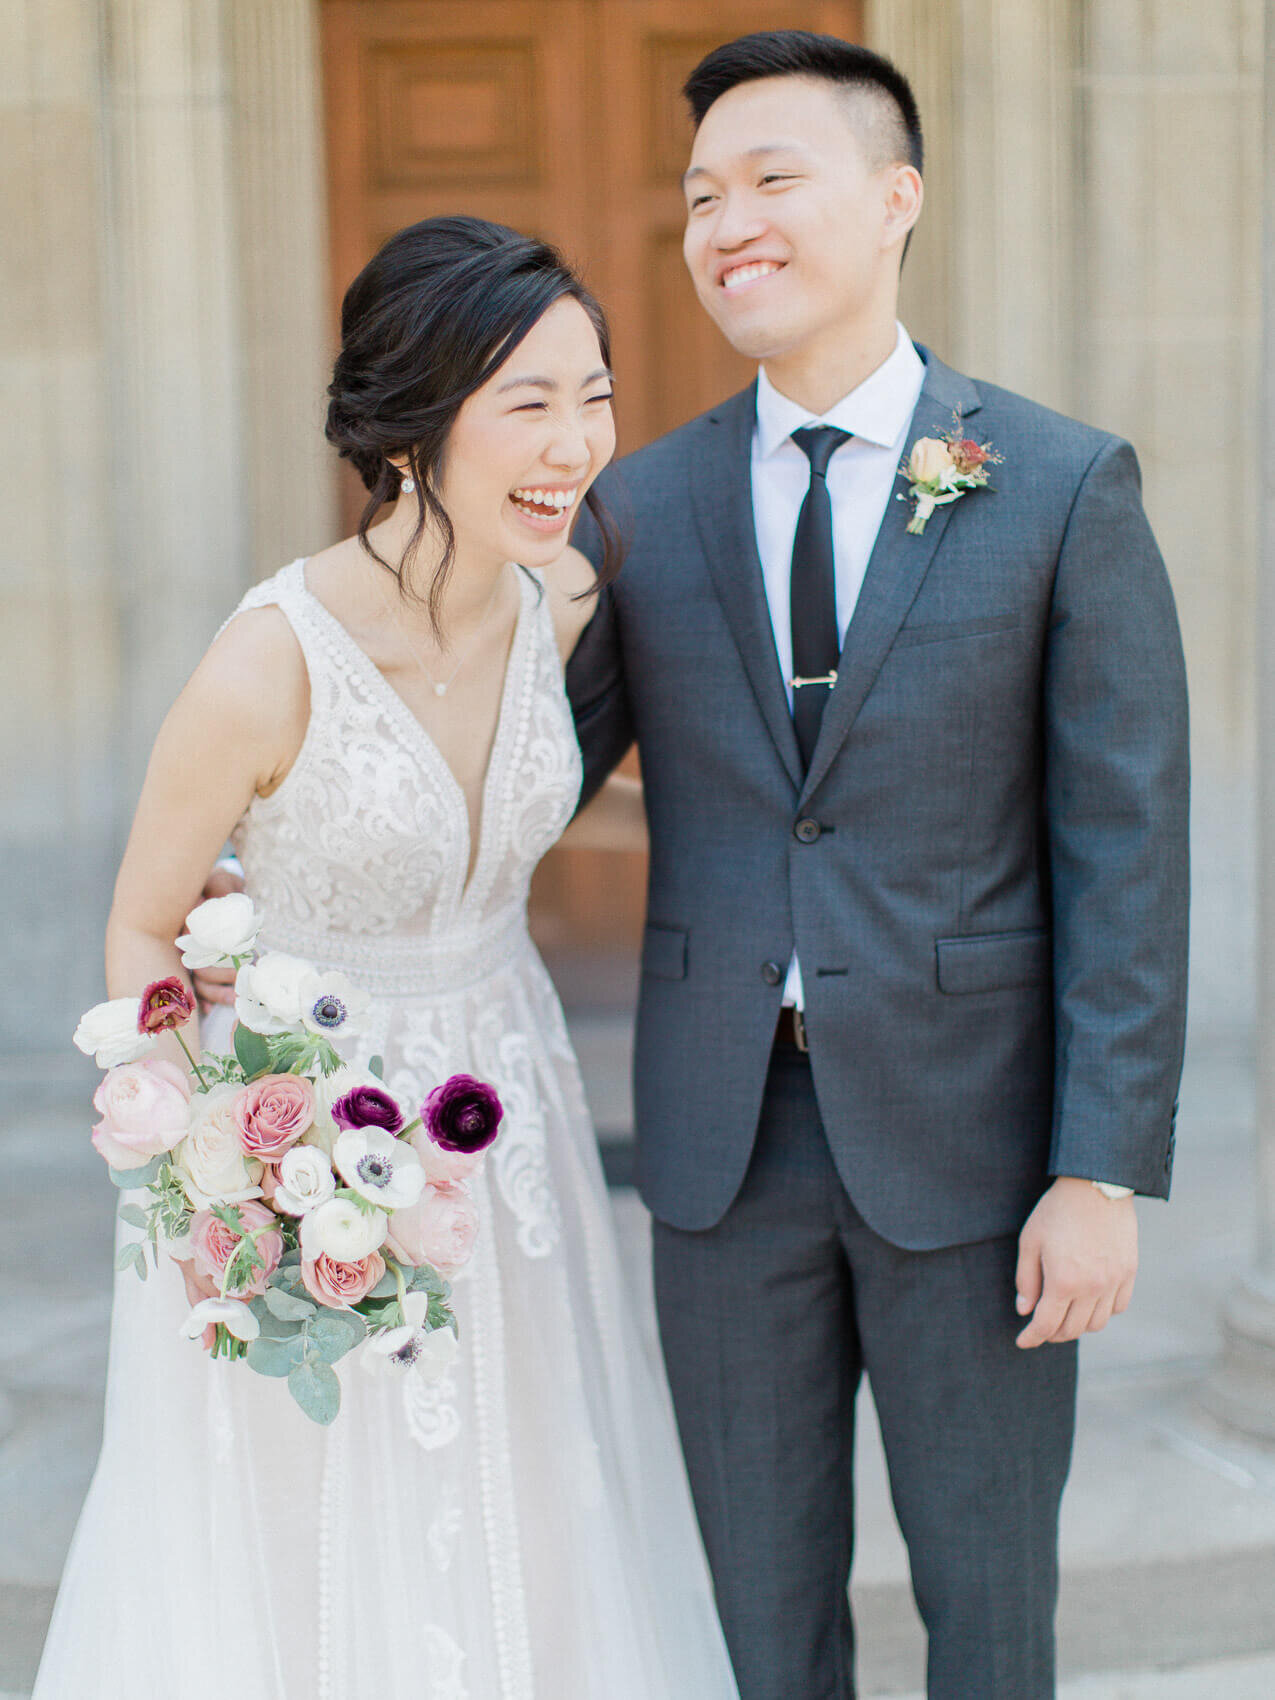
[(343, 1231), (232, 1313), (384, 1170), (331, 1003), (430, 1352), (219, 930)]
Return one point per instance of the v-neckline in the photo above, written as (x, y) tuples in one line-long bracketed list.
[(475, 841)]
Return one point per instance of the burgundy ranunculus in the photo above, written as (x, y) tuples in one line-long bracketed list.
[(367, 1106), (462, 1114), (164, 1004)]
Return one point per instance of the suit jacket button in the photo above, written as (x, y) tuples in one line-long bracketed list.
[(771, 973), (807, 830)]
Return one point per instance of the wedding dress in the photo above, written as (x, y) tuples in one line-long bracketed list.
[(521, 1529)]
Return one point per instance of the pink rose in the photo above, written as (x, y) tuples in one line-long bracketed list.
[(341, 1285), (212, 1242), (273, 1113), (444, 1168), (145, 1110), (439, 1228)]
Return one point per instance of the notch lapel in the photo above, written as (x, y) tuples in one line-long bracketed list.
[(896, 570), (722, 500)]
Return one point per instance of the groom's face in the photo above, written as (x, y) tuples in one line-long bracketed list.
[(793, 230)]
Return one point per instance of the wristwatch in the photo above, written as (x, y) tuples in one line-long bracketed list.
[(1109, 1189)]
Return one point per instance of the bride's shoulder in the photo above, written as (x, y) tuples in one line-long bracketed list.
[(254, 671), (568, 582)]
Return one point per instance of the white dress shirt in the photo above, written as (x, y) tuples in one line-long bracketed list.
[(861, 478)]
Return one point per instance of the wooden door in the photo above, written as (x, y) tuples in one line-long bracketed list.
[(563, 118)]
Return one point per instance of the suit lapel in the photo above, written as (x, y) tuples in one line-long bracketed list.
[(895, 572), (721, 495)]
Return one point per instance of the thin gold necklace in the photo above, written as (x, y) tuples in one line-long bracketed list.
[(441, 687)]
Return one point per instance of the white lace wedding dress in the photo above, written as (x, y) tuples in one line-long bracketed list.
[(521, 1530)]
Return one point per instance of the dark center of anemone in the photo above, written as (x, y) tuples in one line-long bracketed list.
[(408, 1352), (376, 1170), (329, 1011)]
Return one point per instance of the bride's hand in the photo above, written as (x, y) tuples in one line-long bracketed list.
[(216, 985)]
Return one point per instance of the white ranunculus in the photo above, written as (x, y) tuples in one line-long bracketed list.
[(220, 929), (211, 1160), (108, 1033), (332, 1004), (343, 1231), (305, 1180), (233, 1313), (380, 1168), (268, 993)]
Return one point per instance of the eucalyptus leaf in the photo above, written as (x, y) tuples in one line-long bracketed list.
[(129, 1180), (276, 1357), (334, 1333), (386, 1287), (316, 1389), (376, 1066), (252, 1051), (426, 1279), (275, 1328), (286, 1307), (134, 1215), (131, 1256)]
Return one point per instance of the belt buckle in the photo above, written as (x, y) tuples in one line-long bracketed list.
[(799, 1030)]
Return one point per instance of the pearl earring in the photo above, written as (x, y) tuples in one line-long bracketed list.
[(408, 486)]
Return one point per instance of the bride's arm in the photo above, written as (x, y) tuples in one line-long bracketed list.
[(232, 733)]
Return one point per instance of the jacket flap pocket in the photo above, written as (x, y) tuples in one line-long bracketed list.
[(937, 632), (664, 951), (991, 961)]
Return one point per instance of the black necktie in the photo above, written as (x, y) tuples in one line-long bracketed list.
[(813, 593)]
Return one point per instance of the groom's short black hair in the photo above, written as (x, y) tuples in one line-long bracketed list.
[(801, 53)]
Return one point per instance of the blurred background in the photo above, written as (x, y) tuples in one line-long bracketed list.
[(189, 185)]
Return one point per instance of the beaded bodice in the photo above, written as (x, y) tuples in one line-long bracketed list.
[(359, 859)]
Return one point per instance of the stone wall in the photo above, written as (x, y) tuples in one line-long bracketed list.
[(1092, 239)]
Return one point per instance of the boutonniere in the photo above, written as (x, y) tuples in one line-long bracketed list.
[(939, 470)]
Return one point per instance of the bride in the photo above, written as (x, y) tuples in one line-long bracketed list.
[(383, 733)]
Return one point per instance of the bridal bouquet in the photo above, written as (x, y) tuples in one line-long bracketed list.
[(309, 1214)]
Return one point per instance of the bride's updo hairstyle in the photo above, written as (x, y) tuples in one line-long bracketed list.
[(424, 325)]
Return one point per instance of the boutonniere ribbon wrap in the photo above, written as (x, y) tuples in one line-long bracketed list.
[(940, 470)]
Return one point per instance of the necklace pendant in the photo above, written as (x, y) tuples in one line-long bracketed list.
[(440, 690)]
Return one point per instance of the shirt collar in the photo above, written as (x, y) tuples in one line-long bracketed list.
[(878, 410)]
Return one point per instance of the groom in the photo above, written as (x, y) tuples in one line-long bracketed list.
[(914, 971)]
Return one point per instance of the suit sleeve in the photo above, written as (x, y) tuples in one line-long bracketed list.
[(1117, 819), (595, 679)]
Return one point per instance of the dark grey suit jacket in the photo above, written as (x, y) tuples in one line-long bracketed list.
[(984, 872)]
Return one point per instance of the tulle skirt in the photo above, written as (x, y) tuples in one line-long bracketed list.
[(521, 1528)]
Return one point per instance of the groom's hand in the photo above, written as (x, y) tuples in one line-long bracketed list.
[(1077, 1260), (216, 985)]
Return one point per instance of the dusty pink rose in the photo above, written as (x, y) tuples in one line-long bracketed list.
[(273, 1113), (439, 1228), (144, 1110), (164, 1004), (212, 1242), (341, 1284), (443, 1168)]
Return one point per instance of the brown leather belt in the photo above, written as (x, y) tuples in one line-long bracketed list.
[(791, 1029)]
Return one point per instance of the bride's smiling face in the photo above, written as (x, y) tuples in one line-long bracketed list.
[(525, 447)]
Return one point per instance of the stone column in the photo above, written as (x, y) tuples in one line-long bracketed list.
[(181, 540), (1241, 1391), (287, 328)]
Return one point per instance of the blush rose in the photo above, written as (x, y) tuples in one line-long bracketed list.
[(439, 1228), (273, 1113), (338, 1284), (145, 1110), (212, 1244)]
